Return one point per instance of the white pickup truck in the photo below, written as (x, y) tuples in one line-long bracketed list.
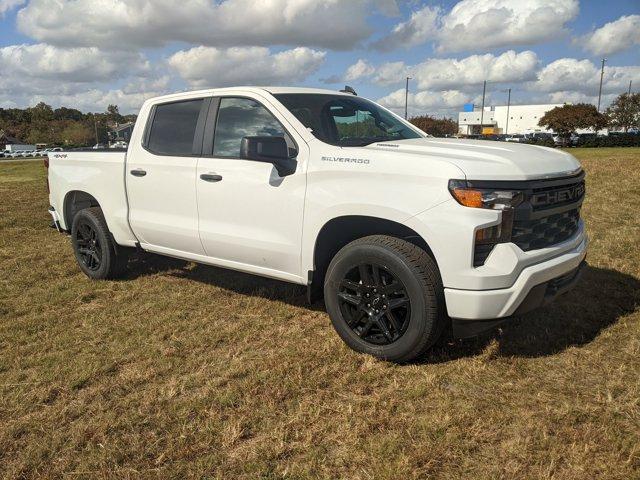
[(403, 234)]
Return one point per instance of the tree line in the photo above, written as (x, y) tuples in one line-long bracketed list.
[(66, 127), (438, 127), (623, 114), (70, 127)]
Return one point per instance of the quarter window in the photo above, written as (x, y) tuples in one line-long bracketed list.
[(174, 128), (243, 117)]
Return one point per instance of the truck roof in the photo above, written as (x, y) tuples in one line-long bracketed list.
[(230, 90)]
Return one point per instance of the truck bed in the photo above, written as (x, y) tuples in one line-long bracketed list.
[(101, 172)]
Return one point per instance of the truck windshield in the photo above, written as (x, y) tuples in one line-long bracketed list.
[(345, 121)]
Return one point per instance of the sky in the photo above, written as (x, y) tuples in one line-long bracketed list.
[(87, 54)]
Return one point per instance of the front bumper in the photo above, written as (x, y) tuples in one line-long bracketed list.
[(505, 302)]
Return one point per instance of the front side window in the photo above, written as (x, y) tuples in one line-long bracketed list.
[(174, 127), (243, 117), (345, 121)]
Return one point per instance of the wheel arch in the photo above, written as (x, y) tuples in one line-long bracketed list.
[(339, 231), (74, 201)]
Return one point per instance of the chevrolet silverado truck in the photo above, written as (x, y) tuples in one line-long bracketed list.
[(403, 234)]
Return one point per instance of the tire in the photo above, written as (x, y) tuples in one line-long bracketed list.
[(396, 314), (97, 254)]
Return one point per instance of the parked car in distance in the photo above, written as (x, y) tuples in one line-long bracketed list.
[(402, 234), (47, 151), (493, 136), (517, 138), (120, 144), (569, 141), (538, 135)]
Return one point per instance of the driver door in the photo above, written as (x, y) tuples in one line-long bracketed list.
[(250, 218)]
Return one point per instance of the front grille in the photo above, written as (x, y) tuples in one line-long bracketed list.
[(557, 196), (546, 231), (548, 215)]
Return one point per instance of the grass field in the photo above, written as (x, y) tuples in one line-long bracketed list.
[(182, 370)]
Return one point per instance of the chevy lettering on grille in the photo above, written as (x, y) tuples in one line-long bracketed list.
[(558, 196)]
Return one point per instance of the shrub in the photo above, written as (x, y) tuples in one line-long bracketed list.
[(611, 140)]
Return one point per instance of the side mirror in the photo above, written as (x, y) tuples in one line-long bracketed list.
[(272, 150)]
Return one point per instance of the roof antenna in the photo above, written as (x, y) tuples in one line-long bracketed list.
[(348, 89)]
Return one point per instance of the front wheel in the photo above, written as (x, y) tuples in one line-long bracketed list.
[(98, 256), (385, 297)]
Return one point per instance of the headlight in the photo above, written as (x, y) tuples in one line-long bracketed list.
[(484, 198), (490, 198)]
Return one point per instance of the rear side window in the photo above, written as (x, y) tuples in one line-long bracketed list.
[(242, 117), (174, 128)]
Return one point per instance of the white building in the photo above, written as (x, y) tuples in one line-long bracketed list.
[(521, 119)]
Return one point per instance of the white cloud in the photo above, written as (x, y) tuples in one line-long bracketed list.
[(125, 24), (421, 27), (358, 70), (75, 77), (482, 24), (84, 99), (582, 76), (614, 37), (432, 102), (577, 97), (390, 73), (213, 67), (451, 73), (96, 100), (6, 5), (75, 65)]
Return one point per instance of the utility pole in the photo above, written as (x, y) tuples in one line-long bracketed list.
[(406, 99), (484, 91), (95, 125), (601, 76), (506, 128)]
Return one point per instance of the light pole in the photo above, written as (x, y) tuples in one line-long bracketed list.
[(601, 76), (406, 99), (506, 128), (484, 91)]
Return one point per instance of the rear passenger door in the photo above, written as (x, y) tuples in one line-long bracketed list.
[(161, 176)]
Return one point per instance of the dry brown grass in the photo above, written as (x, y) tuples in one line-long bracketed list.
[(183, 370)]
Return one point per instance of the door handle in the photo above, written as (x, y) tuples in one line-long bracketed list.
[(211, 177), (138, 172)]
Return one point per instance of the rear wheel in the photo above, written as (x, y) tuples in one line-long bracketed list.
[(98, 256), (385, 297)]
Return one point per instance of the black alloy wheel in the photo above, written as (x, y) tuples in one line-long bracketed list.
[(374, 303), (385, 297), (95, 249), (88, 245)]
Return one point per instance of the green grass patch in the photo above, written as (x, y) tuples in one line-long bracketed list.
[(183, 370)]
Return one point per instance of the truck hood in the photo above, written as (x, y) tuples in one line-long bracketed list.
[(488, 160)]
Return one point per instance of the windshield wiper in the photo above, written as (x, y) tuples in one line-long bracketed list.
[(366, 142)]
